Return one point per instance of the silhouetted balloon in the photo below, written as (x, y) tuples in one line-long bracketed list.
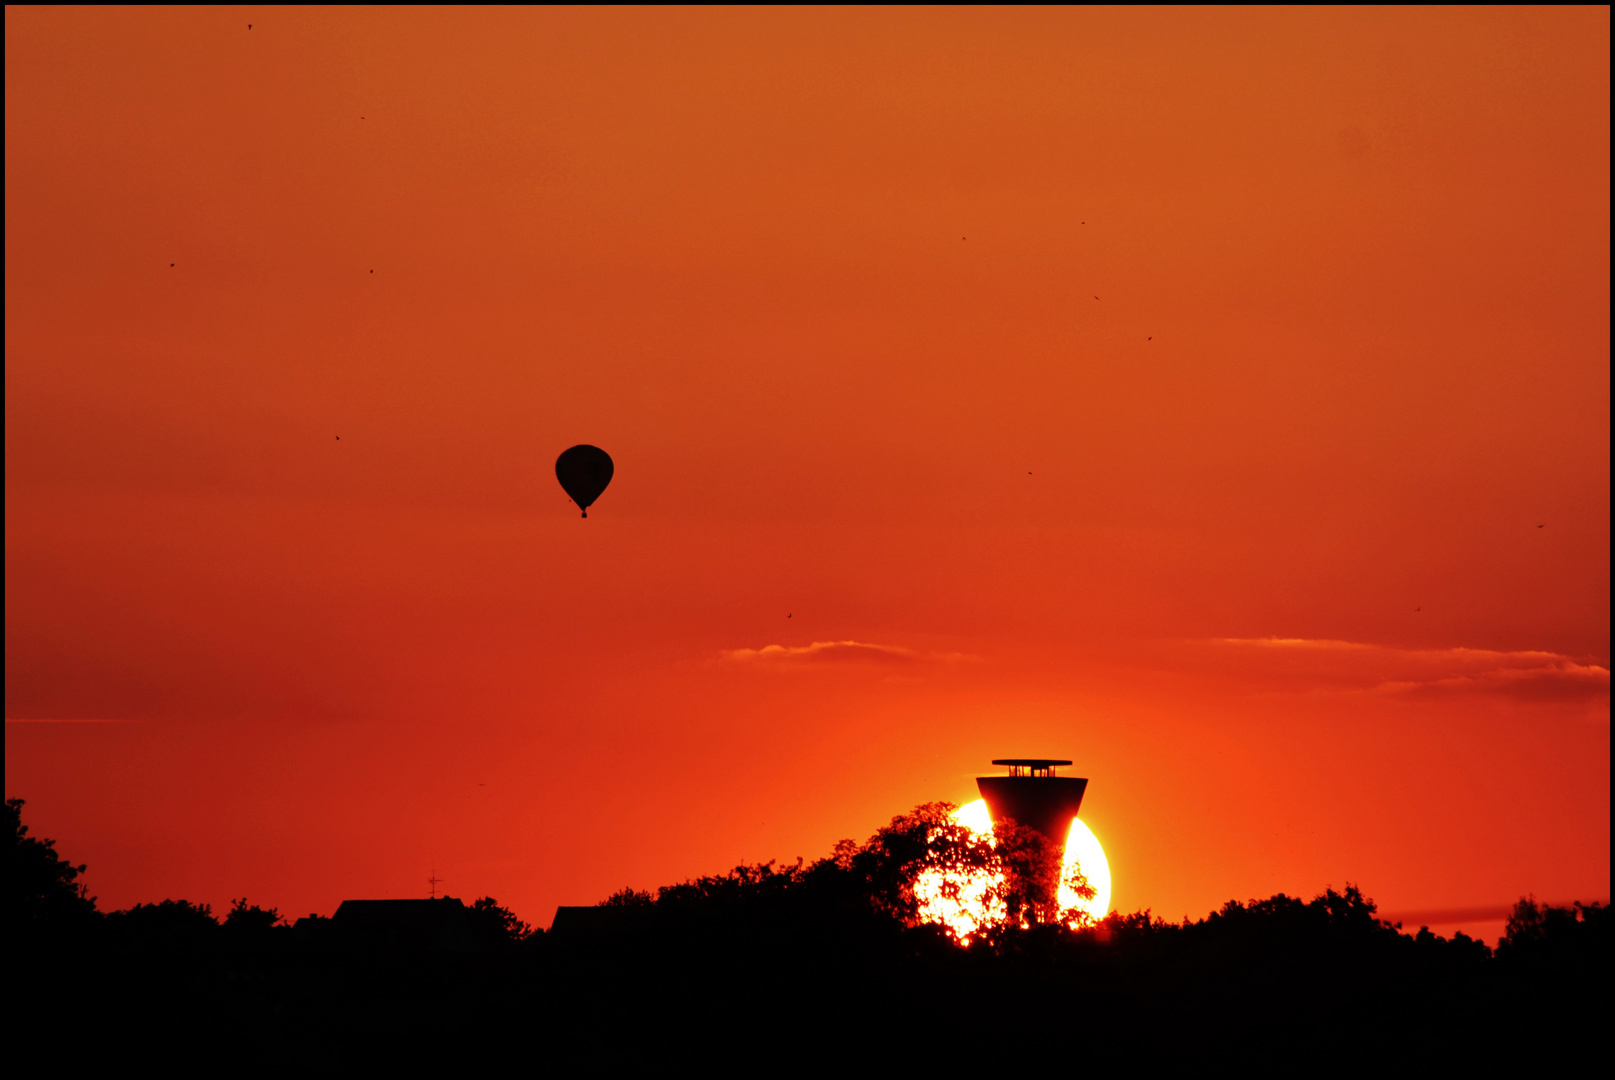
[(584, 471)]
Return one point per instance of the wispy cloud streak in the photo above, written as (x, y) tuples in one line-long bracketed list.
[(1522, 675), (838, 652)]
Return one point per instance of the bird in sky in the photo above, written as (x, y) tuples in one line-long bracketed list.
[(1544, 525), (787, 616), (1418, 609), (1149, 339), (339, 438), (170, 264)]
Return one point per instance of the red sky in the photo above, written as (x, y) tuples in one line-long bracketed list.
[(1219, 398)]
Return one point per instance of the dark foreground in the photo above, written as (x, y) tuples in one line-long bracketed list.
[(772, 969), (1267, 986)]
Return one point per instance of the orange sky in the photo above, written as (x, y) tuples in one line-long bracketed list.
[(1217, 398)]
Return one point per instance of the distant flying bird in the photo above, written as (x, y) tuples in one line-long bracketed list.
[(1096, 298), (1418, 609), (339, 438), (249, 26), (787, 616), (1544, 525), (1028, 472), (372, 270), (170, 264), (1146, 339)]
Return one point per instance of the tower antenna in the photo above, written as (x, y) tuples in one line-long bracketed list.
[(434, 881)]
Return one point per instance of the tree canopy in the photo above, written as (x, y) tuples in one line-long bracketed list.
[(42, 889)]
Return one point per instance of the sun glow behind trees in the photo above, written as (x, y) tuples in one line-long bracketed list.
[(965, 901), (1083, 852)]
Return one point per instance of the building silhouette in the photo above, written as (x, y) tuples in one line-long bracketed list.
[(1034, 796), (439, 925)]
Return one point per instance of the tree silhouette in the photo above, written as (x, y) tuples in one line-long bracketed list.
[(1561, 942), (1033, 873), (498, 925), (165, 921), (244, 919), (43, 892), (776, 953)]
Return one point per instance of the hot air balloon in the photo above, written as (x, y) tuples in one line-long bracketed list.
[(584, 471)]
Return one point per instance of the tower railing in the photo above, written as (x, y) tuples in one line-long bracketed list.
[(1030, 766)]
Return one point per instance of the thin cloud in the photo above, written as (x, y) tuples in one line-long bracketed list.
[(1566, 681), (838, 652), (1527, 675), (1449, 916), (1316, 644)]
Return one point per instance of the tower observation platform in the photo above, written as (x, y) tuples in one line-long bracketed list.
[(1034, 796)]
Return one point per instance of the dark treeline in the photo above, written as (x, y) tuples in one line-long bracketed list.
[(770, 965)]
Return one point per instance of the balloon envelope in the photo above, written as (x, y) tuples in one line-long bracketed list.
[(584, 471)]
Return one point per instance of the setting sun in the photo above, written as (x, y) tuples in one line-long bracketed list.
[(962, 900)]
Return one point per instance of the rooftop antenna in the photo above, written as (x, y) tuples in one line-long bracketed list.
[(434, 881)]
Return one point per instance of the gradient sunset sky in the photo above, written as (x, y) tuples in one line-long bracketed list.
[(1219, 398)]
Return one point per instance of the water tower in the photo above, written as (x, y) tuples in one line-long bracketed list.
[(1032, 795)]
